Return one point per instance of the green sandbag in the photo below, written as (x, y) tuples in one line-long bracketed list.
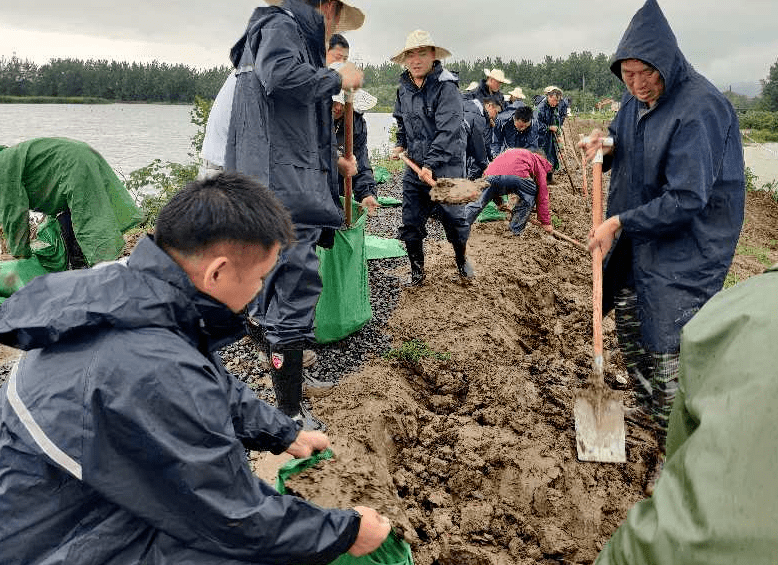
[(344, 303), (389, 201), (394, 550), (491, 213), (381, 174), (383, 247), (16, 273)]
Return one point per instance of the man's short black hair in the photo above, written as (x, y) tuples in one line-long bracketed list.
[(495, 99), (523, 113), (337, 40), (226, 208)]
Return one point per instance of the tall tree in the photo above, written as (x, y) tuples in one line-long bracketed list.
[(770, 89)]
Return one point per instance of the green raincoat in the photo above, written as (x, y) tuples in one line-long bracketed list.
[(716, 501), (51, 175)]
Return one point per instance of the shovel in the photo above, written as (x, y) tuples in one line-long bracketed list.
[(348, 135), (450, 191), (599, 414)]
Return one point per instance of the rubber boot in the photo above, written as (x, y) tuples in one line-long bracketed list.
[(550, 178), (75, 256), (415, 250), (463, 265), (287, 375)]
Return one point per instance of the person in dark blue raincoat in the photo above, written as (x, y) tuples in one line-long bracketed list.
[(675, 205), (429, 115), (489, 87), (123, 437), (281, 133), (519, 131), (550, 122), (476, 147)]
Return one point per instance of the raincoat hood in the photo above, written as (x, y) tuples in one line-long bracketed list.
[(650, 39), (150, 290)]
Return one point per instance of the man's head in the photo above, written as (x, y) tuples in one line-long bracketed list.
[(338, 109), (419, 54), (522, 118), (492, 106), (338, 16), (420, 61), (225, 232), (643, 81), (337, 50), (495, 78)]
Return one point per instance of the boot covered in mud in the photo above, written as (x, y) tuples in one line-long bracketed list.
[(287, 374), (464, 267), (415, 250)]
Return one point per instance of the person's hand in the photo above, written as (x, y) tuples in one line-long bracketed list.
[(548, 228), (604, 235), (373, 529), (347, 167), (370, 204), (306, 443), (552, 128), (593, 143), (426, 176), (395, 155), (350, 76)]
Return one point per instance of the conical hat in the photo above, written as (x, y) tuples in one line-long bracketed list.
[(420, 38), (351, 18)]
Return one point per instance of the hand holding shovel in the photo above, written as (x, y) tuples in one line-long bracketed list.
[(445, 190)]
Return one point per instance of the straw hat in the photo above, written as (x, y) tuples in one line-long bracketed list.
[(351, 18), (472, 86), (552, 89), (420, 38), (517, 93), (363, 100), (497, 75)]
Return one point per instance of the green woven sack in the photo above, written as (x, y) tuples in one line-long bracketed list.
[(344, 303), (490, 214), (394, 550), (381, 174)]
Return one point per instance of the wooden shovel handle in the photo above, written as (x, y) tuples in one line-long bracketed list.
[(348, 134), (597, 264), (414, 167)]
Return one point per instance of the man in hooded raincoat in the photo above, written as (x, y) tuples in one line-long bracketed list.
[(281, 133), (675, 206), (63, 176), (122, 436), (550, 121)]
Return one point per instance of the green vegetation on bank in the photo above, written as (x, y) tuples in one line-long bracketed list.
[(5, 99)]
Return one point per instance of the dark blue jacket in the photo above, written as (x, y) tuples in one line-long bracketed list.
[(363, 183), (475, 130), (281, 124), (145, 459), (429, 123), (482, 92), (547, 116), (506, 136), (677, 185)]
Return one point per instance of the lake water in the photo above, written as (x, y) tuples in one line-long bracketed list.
[(130, 136)]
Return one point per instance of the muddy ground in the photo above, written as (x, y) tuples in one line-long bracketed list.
[(473, 455)]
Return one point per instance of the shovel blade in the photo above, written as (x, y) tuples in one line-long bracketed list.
[(599, 428)]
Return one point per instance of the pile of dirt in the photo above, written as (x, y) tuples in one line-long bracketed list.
[(472, 452)]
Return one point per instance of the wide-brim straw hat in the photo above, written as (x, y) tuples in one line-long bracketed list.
[(549, 89), (497, 75), (517, 93), (420, 38), (363, 100), (351, 18), (472, 86)]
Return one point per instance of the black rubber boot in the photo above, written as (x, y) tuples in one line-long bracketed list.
[(75, 256), (287, 373), (415, 250), (550, 178), (463, 265)]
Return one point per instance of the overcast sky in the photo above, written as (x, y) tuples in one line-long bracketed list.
[(728, 41)]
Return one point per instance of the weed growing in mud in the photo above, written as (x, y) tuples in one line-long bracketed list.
[(731, 280), (413, 351), (760, 253), (556, 222)]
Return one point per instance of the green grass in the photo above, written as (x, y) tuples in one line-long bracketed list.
[(5, 99), (760, 136), (556, 222), (761, 254), (730, 280), (413, 351)]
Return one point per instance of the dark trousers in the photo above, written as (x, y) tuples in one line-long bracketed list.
[(417, 209), (500, 185)]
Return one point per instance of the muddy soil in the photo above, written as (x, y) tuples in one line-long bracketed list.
[(473, 457)]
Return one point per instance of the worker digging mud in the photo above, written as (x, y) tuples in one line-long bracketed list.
[(122, 436), (429, 119), (675, 206), (523, 173), (518, 130), (281, 132), (550, 122), (69, 180)]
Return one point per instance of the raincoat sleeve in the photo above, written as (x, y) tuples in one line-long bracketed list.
[(533, 139), (497, 139), (176, 442), (363, 182), (715, 502), (14, 203), (692, 159), (476, 149), (544, 213), (402, 139), (283, 69), (448, 127)]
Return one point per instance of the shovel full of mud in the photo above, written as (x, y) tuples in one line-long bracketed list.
[(450, 190), (599, 414)]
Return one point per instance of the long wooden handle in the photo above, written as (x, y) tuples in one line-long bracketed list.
[(560, 235), (348, 134), (597, 267), (414, 167)]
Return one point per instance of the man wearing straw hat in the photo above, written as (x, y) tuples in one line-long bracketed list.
[(281, 133), (515, 98), (430, 131), (489, 86)]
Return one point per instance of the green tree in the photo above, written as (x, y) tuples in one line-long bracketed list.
[(770, 89)]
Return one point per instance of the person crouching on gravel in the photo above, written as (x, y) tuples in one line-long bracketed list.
[(122, 435), (520, 172), (429, 118)]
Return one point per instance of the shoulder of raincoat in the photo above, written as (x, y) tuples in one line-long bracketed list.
[(363, 183), (281, 123), (430, 123), (476, 151), (715, 502), (677, 185), (121, 419)]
